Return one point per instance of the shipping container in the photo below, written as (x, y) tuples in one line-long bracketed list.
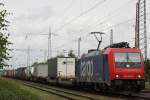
[(21, 73), (62, 68), (29, 71), (8, 73), (40, 70)]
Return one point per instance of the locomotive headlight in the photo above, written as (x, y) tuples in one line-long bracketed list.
[(117, 76), (139, 76)]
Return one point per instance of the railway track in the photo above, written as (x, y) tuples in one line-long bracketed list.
[(77, 95), (71, 95), (143, 95)]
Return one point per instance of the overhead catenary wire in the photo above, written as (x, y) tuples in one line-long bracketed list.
[(86, 35), (110, 15), (118, 23), (66, 10), (81, 14), (114, 11)]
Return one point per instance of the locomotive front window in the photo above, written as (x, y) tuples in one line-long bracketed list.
[(123, 60), (134, 57), (121, 57)]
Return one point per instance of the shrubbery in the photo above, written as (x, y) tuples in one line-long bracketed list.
[(147, 70)]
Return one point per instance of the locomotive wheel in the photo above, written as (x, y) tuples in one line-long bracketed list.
[(137, 89), (105, 89), (96, 87)]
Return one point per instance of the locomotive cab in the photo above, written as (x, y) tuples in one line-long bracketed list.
[(126, 68)]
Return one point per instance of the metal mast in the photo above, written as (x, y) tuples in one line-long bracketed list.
[(111, 37), (28, 57), (28, 61), (79, 40), (145, 30), (49, 45), (137, 45), (142, 27)]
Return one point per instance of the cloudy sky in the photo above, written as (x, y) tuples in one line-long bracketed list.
[(69, 19)]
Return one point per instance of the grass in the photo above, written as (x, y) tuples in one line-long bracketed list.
[(147, 85), (14, 90), (42, 94), (10, 90)]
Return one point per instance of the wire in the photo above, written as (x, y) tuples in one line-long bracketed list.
[(121, 23), (81, 14), (110, 16), (66, 10)]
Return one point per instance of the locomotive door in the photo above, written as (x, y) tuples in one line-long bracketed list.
[(106, 70)]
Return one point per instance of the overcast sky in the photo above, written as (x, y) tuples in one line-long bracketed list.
[(69, 19)]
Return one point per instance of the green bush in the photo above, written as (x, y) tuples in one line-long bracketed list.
[(147, 70), (10, 90)]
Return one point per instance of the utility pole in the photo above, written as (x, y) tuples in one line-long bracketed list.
[(79, 40), (142, 27), (145, 30), (28, 56), (49, 44), (28, 60), (45, 53), (137, 45), (111, 36)]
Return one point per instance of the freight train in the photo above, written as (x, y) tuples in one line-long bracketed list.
[(117, 67)]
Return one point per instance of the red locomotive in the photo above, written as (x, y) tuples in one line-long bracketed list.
[(126, 68), (115, 68)]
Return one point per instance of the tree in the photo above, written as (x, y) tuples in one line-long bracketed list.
[(4, 55), (71, 54), (60, 55), (147, 70)]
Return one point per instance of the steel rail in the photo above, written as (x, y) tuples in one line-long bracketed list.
[(141, 95), (60, 92)]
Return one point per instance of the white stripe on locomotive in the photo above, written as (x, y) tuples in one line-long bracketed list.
[(86, 70)]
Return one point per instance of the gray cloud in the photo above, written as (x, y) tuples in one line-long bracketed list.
[(35, 16)]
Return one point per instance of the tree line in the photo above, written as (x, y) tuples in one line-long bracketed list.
[(4, 43), (147, 70)]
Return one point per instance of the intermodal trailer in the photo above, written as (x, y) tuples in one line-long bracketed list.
[(40, 72), (61, 68), (21, 73)]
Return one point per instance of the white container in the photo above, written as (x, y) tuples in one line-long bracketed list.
[(61, 68), (27, 72), (40, 70)]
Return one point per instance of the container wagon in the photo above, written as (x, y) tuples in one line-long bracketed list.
[(40, 72), (9, 73), (61, 69), (21, 73)]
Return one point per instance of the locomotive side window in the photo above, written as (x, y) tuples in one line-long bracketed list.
[(127, 60)]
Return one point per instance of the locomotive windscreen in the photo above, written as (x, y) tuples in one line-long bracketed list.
[(127, 60)]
